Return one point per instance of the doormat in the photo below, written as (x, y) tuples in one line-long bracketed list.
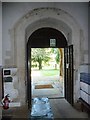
[(40, 110), (43, 86)]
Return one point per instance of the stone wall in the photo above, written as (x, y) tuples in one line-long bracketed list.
[(79, 11), (0, 91), (38, 18), (0, 58), (17, 30)]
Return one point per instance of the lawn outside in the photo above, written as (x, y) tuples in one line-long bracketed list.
[(49, 72)]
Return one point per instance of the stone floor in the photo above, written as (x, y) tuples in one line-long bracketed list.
[(56, 81), (60, 108)]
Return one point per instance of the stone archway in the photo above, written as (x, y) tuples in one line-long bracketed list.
[(33, 20)]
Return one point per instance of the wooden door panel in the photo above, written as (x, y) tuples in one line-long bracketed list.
[(68, 64)]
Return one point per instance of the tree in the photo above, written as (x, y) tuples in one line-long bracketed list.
[(57, 56), (40, 55)]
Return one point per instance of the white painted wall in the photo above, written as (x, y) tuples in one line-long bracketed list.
[(12, 12), (89, 34), (0, 33), (0, 56)]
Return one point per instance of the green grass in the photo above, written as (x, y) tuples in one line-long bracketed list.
[(49, 72)]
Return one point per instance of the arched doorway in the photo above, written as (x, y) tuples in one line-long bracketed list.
[(40, 18), (41, 39)]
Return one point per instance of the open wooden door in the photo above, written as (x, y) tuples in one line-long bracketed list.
[(68, 62)]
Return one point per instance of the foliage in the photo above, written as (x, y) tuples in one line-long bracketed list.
[(40, 55), (57, 53)]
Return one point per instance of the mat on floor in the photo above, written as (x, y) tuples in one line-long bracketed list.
[(43, 86), (41, 110)]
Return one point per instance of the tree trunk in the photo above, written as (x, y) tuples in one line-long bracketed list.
[(61, 62), (40, 64)]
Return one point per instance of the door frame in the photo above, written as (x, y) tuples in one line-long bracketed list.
[(32, 43)]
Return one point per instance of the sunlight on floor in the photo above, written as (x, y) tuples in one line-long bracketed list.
[(56, 81)]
